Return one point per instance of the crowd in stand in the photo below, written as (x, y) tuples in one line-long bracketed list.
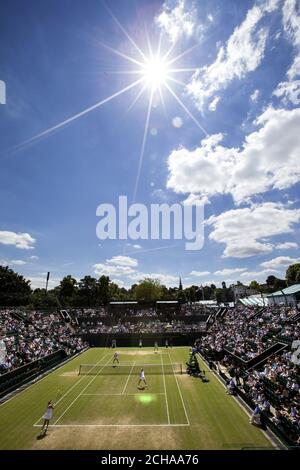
[(155, 326), (130, 311), (272, 385), (28, 336), (234, 337), (33, 337), (89, 312), (193, 309), (275, 388), (247, 333)]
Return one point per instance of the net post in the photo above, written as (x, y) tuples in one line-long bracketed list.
[(180, 369), (79, 369)]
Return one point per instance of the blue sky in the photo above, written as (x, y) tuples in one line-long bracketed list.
[(233, 145)]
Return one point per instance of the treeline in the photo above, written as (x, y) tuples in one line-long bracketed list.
[(15, 290)]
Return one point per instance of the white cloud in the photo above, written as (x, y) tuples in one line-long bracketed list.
[(288, 92), (200, 273), (258, 275), (286, 246), (204, 170), (218, 283), (194, 200), (214, 104), (243, 53), (17, 262), (160, 194), (291, 24), (123, 261), (177, 19), (20, 240), (268, 159), (166, 279), (280, 262), (38, 282), (254, 96), (111, 270), (13, 262), (294, 71), (136, 246), (243, 231), (34, 258), (119, 282), (228, 272), (122, 270)]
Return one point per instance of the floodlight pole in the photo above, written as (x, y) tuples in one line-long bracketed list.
[(47, 280)]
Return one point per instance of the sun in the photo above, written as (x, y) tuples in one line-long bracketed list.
[(155, 72)]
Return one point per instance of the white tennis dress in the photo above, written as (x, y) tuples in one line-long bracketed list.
[(49, 413)]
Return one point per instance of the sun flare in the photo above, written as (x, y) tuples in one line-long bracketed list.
[(155, 72)]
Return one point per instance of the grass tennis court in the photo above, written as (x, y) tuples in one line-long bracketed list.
[(102, 408)]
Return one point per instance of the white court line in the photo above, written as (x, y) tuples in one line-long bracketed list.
[(164, 380), (125, 364), (113, 425), (242, 405), (186, 415), (89, 383), (71, 388), (128, 378), (43, 376), (118, 394)]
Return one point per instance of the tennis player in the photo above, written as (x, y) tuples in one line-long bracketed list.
[(142, 378), (116, 358), (47, 416)]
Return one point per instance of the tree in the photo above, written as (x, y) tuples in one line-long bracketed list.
[(209, 292), (148, 290), (254, 285), (42, 299), (15, 290), (67, 290), (103, 288), (293, 274), (270, 281), (191, 293), (273, 283), (224, 294), (87, 293), (117, 293), (279, 284), (220, 295)]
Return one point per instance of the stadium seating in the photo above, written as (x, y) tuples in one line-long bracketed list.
[(30, 337), (258, 344), (251, 345)]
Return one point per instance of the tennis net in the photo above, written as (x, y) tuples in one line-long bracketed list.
[(132, 369)]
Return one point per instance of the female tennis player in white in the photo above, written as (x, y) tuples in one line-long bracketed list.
[(47, 416), (142, 378)]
